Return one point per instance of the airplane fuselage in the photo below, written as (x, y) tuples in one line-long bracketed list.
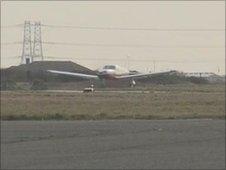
[(112, 72)]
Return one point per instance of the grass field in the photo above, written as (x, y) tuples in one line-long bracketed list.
[(162, 102)]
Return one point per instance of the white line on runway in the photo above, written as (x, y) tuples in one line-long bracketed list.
[(98, 91)]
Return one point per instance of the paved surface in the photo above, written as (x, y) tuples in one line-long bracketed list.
[(124, 144), (98, 91), (120, 91)]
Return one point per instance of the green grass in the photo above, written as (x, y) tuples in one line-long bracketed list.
[(163, 102)]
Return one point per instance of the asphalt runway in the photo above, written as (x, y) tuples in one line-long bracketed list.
[(96, 91), (113, 144), (122, 91)]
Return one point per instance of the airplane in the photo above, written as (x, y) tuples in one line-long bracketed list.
[(111, 72)]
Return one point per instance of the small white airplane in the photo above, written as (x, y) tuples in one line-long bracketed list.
[(112, 72)]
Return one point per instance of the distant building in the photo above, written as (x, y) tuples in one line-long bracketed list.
[(210, 76), (199, 74)]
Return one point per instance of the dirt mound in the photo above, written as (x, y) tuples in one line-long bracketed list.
[(37, 70)]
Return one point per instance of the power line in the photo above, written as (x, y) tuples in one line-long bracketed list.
[(125, 59), (129, 45), (33, 25), (118, 28), (116, 59), (12, 26), (11, 57), (11, 43), (130, 29), (115, 45)]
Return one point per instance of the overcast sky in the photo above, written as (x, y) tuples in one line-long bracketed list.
[(135, 49)]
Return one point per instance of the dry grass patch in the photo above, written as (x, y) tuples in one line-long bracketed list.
[(163, 102)]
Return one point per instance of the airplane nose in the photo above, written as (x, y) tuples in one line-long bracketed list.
[(103, 72), (106, 72)]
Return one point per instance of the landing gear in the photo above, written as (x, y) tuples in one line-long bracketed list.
[(132, 83), (89, 89)]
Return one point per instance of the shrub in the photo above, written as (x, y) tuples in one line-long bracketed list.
[(38, 85), (198, 80), (164, 79), (8, 85)]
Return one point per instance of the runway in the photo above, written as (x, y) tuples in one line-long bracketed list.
[(124, 91), (113, 144), (96, 91)]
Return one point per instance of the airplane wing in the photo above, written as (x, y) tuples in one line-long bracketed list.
[(87, 76), (144, 74)]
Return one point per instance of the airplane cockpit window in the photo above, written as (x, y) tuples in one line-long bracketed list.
[(112, 67)]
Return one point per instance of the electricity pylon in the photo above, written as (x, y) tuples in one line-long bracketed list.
[(27, 48), (32, 50), (37, 45)]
